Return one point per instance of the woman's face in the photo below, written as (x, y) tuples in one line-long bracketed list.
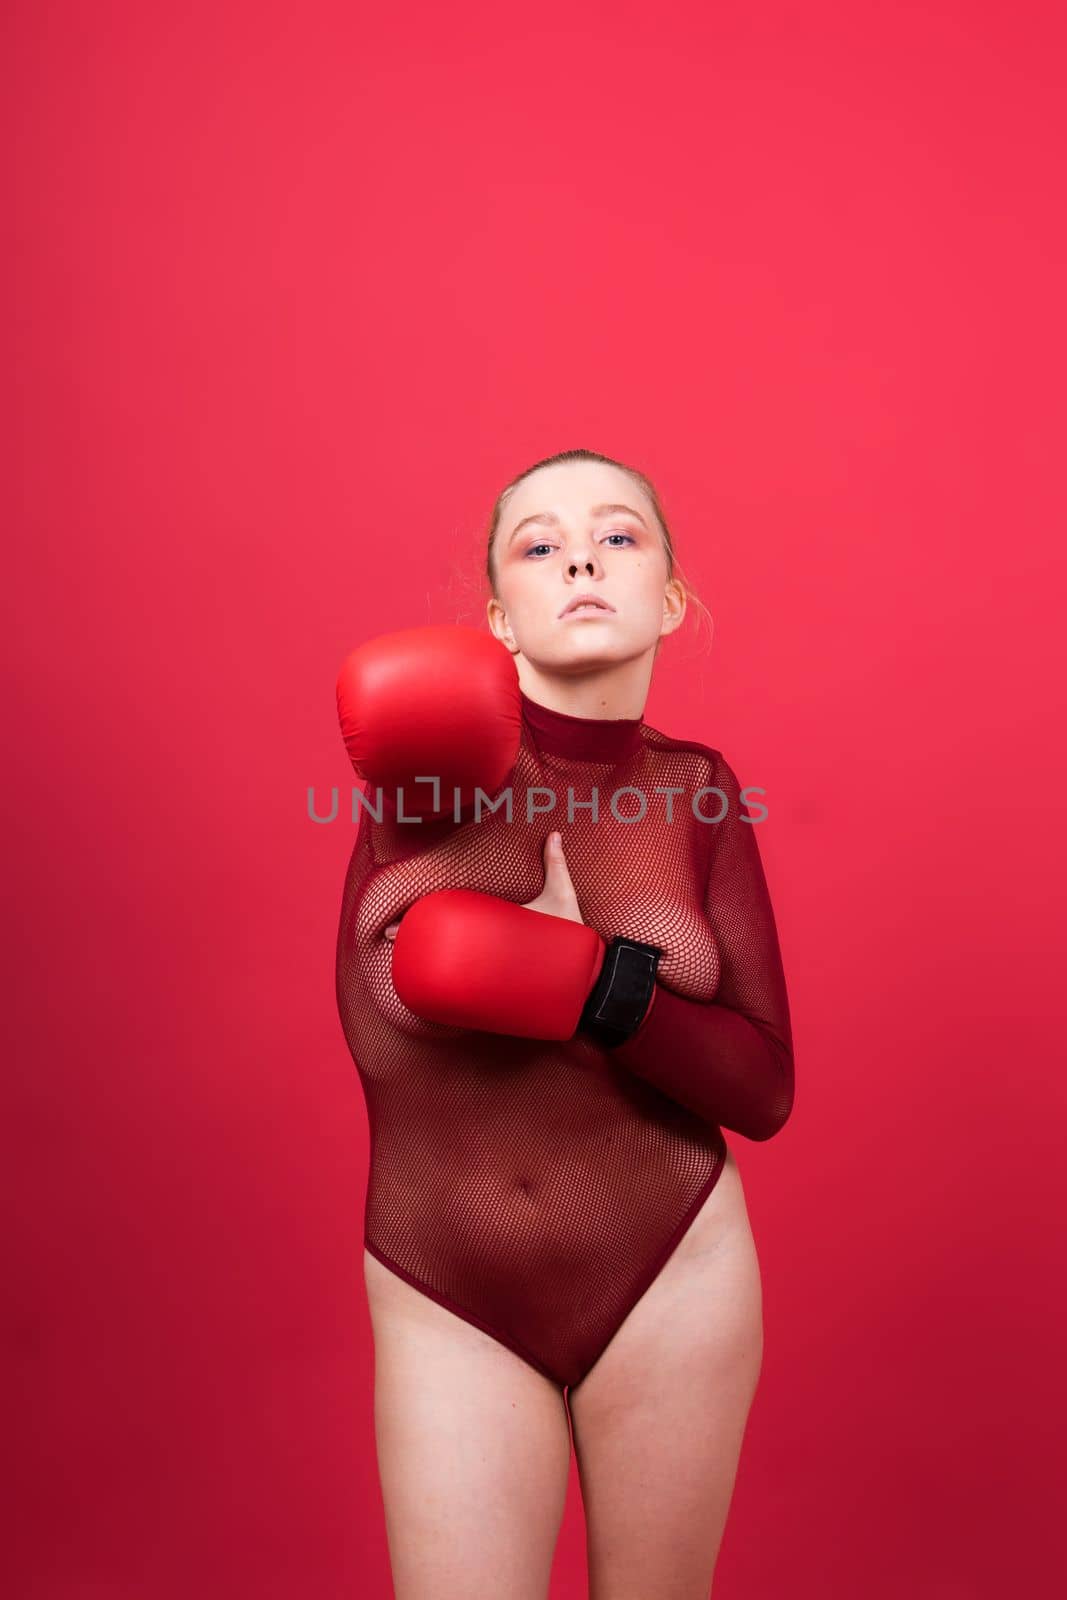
[(581, 528)]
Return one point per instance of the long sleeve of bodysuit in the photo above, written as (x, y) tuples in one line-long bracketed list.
[(730, 1058)]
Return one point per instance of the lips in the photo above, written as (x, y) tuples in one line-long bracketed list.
[(591, 601)]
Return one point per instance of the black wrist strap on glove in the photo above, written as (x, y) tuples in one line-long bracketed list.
[(622, 994)]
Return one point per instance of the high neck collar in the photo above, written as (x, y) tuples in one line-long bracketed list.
[(583, 738)]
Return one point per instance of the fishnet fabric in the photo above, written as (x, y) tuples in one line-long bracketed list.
[(536, 1188)]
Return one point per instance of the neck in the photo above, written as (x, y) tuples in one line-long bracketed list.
[(597, 738), (618, 690)]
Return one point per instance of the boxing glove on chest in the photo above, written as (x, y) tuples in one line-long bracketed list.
[(475, 960)]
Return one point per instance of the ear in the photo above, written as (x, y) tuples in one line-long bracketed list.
[(498, 624), (674, 606)]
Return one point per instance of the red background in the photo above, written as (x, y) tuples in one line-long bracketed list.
[(294, 293)]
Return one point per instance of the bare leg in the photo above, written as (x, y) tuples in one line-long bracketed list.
[(659, 1421), (473, 1452)]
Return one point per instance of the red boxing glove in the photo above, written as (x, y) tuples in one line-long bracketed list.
[(474, 960), (439, 701)]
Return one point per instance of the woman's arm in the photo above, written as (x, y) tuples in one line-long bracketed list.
[(729, 1059)]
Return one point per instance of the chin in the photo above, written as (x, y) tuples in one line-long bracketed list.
[(593, 654)]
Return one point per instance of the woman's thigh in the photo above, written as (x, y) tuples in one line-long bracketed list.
[(473, 1452), (659, 1421)]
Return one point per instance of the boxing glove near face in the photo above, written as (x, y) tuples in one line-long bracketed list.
[(438, 702)]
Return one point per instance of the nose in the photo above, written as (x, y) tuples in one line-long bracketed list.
[(576, 566)]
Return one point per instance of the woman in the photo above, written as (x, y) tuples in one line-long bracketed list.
[(555, 1225)]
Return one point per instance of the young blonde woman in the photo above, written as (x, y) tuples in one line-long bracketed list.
[(559, 976)]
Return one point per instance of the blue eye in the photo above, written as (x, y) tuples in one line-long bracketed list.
[(617, 534)]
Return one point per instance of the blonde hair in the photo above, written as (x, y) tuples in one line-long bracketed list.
[(638, 477)]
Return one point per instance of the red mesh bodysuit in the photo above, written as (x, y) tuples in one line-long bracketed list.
[(535, 1188)]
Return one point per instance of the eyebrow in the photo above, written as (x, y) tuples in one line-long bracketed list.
[(597, 511)]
